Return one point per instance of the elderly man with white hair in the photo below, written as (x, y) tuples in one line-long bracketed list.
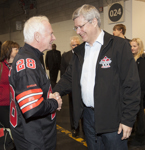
[(33, 106)]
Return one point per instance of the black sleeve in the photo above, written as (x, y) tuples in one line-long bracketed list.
[(59, 60), (129, 79), (64, 86), (29, 94), (63, 65), (141, 70)]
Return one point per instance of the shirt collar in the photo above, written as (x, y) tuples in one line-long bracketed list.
[(100, 38)]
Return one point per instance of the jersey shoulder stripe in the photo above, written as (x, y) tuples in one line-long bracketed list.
[(29, 99), (33, 105)]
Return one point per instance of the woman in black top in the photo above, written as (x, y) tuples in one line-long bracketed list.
[(137, 49)]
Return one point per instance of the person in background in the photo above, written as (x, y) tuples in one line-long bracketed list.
[(137, 49), (104, 81), (65, 59), (9, 50), (120, 30), (53, 61), (33, 106)]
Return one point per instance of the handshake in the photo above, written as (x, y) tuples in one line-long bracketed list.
[(57, 97)]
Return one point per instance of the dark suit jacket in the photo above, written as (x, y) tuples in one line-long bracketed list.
[(65, 59), (53, 59), (141, 65)]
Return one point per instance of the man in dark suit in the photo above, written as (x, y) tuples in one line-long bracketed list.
[(66, 56), (52, 61), (65, 59)]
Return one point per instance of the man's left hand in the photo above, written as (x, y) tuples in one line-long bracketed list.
[(126, 131)]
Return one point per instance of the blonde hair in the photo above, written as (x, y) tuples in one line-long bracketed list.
[(140, 46)]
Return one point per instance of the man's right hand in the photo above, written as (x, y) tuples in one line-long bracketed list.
[(57, 97)]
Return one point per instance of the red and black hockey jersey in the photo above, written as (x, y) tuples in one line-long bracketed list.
[(32, 113)]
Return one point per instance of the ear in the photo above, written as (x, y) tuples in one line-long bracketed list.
[(95, 22), (37, 36)]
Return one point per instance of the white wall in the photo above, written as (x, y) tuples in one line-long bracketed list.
[(127, 19), (15, 36), (134, 22), (63, 31), (138, 20)]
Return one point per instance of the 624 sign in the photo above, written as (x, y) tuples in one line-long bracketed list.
[(116, 13)]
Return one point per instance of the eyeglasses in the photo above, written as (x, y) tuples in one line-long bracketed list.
[(80, 27)]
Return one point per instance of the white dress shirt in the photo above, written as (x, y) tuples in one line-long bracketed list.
[(89, 70)]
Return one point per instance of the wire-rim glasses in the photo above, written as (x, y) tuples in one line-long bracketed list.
[(80, 27)]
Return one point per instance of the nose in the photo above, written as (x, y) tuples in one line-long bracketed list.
[(78, 30), (53, 37)]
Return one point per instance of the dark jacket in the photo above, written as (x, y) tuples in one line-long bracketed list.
[(141, 69), (32, 112), (65, 59), (116, 90), (53, 59)]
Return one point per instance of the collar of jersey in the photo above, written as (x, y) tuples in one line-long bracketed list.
[(35, 50)]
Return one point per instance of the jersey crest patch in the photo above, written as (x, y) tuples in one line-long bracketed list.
[(105, 62)]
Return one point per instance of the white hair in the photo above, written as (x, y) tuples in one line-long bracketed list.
[(75, 38), (32, 25)]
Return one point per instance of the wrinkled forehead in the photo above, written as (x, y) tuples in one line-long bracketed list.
[(79, 20)]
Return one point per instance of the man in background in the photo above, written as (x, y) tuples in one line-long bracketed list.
[(120, 30), (52, 61), (66, 56), (65, 59)]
